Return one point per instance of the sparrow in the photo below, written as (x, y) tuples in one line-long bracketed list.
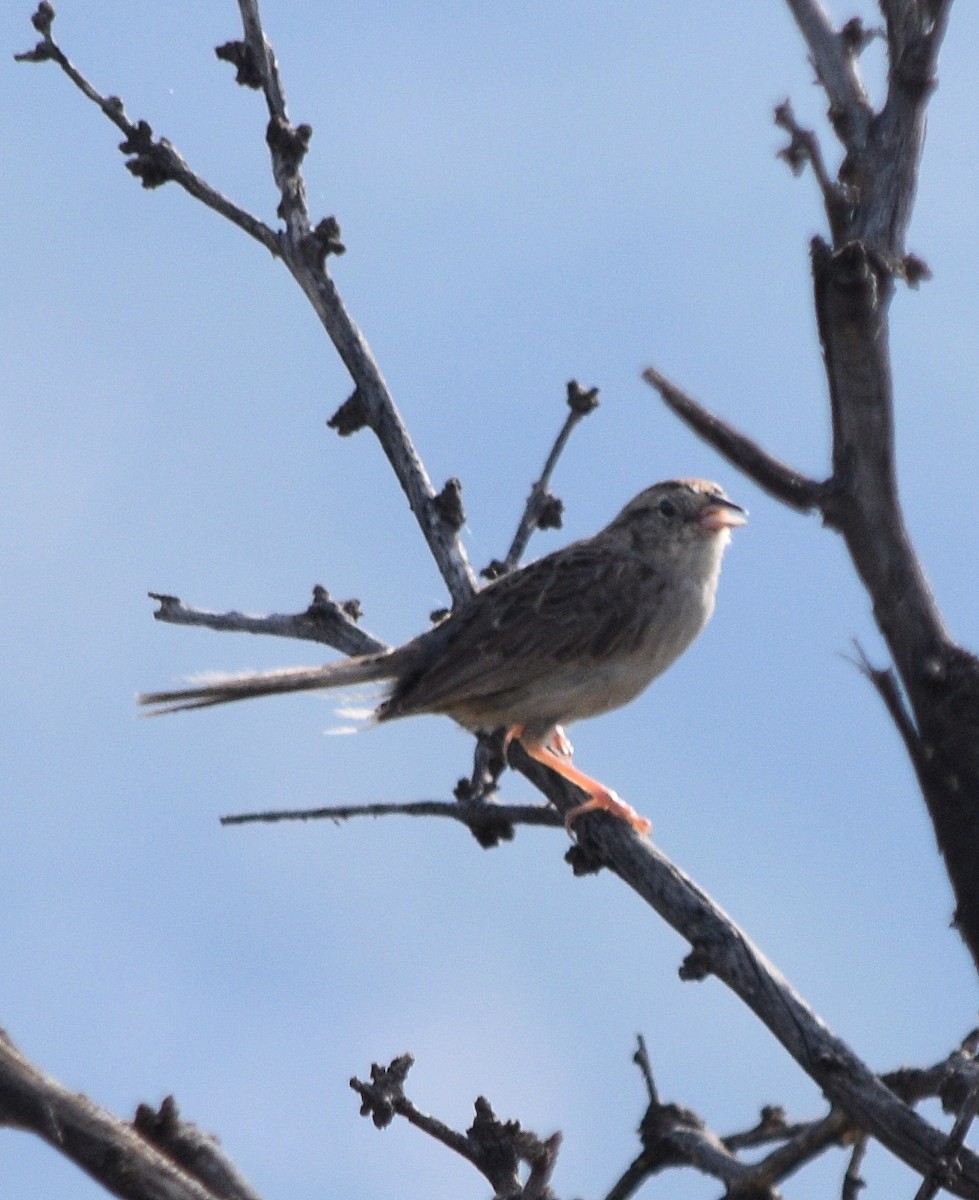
[(572, 635)]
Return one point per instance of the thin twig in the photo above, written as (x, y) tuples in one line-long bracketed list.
[(946, 1166), (950, 1080), (804, 147), (475, 815), (287, 145), (807, 1143), (154, 162), (772, 1127), (853, 1184), (581, 402), (641, 1059), (887, 687), (673, 1135)]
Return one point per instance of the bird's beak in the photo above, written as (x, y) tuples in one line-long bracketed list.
[(722, 514)]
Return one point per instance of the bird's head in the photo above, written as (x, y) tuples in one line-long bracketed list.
[(679, 518)]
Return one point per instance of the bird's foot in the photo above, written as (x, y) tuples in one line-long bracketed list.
[(556, 754), (607, 800)]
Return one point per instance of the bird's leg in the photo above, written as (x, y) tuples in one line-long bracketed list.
[(554, 753)]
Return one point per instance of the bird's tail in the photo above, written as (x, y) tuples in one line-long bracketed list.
[(222, 689)]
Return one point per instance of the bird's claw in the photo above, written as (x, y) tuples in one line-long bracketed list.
[(608, 801)]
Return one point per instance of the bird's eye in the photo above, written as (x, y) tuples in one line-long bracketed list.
[(667, 508)]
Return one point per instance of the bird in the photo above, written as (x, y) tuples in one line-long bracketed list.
[(569, 636)]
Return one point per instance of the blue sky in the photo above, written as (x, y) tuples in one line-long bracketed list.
[(526, 197)]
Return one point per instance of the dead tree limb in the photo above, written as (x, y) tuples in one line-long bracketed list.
[(159, 1159), (868, 208)]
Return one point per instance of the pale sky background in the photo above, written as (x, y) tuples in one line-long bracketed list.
[(528, 194)]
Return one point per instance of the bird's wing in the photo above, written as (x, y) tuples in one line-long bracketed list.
[(576, 604)]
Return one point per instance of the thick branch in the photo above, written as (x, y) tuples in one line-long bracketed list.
[(889, 173), (868, 210), (940, 678), (878, 175), (111, 1151), (860, 500), (722, 949), (851, 300)]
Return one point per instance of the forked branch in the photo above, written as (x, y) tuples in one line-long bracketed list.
[(868, 209)]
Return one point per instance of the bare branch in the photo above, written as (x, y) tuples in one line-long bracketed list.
[(832, 57), (890, 166), (304, 249), (324, 621), (722, 949), (543, 511), (111, 1151), (772, 1127), (489, 823), (946, 1167), (940, 678), (674, 1136), (154, 162), (489, 763), (804, 147), (305, 255), (380, 413), (887, 687), (495, 1148), (950, 1080), (641, 1059), (853, 1185), (200, 1154), (780, 481), (878, 175), (853, 286), (804, 1145)]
